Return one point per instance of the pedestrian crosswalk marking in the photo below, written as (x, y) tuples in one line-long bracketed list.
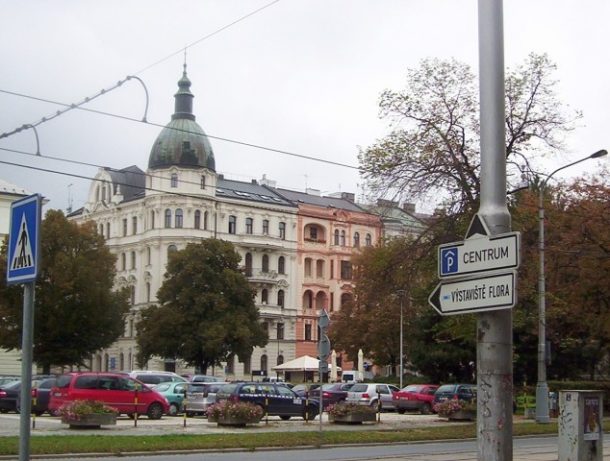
[(23, 256)]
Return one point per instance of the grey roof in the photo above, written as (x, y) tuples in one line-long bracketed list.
[(323, 201), (131, 181), (390, 212), (11, 189), (249, 191)]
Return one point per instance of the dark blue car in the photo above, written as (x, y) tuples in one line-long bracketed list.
[(274, 399)]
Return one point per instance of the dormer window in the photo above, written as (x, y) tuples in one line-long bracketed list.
[(174, 180), (202, 182)]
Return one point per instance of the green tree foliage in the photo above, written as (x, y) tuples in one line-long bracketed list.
[(76, 310), (206, 313), (433, 148)]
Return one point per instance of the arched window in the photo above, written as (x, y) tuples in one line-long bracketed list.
[(232, 224), (248, 264), (368, 240), (168, 218), (280, 359), (249, 225), (133, 260), (202, 181), (264, 296), (178, 219), (336, 236), (308, 299), (280, 298), (197, 219), (265, 263), (307, 267), (174, 180), (342, 238), (281, 265), (171, 249), (264, 362), (356, 239), (205, 220)]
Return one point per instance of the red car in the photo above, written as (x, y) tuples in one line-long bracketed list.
[(415, 397), (127, 395)]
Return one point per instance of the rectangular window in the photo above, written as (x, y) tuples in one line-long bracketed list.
[(249, 225), (307, 332), (232, 224), (133, 259), (265, 227), (332, 269), (280, 331), (346, 270), (332, 301), (124, 227), (134, 225), (107, 230), (283, 230)]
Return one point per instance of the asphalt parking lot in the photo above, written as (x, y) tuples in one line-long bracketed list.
[(48, 425)]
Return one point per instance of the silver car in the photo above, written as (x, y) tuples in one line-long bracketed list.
[(199, 397), (371, 394)]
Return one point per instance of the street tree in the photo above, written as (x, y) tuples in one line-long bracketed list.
[(433, 148), (76, 311), (206, 312)]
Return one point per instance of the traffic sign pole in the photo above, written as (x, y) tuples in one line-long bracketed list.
[(494, 329), (23, 261)]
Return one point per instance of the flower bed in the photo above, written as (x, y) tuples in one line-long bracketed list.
[(351, 413), (87, 413), (457, 409), (226, 413)]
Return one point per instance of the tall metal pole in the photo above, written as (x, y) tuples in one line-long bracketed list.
[(542, 388), (494, 329), (26, 371), (401, 293)]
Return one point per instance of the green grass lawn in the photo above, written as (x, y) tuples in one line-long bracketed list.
[(124, 444)]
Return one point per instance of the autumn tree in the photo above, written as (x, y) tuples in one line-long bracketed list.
[(76, 310), (433, 148), (206, 312)]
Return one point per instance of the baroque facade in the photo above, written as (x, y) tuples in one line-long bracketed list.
[(295, 247)]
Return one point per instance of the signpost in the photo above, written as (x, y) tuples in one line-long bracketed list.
[(23, 260), (479, 294)]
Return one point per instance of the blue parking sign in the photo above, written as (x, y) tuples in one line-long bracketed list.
[(24, 240), (449, 261)]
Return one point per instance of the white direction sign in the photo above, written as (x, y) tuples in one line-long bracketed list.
[(477, 255), (492, 292)]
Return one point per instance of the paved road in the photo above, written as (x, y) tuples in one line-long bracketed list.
[(525, 449)]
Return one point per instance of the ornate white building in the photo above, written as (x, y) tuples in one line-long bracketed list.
[(181, 199)]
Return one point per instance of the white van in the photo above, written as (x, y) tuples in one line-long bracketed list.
[(350, 376)]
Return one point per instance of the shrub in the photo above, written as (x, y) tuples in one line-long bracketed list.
[(76, 409), (448, 407), (242, 411), (343, 409)]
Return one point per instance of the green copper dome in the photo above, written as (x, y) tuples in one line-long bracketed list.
[(182, 142)]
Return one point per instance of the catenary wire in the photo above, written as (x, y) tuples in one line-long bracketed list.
[(218, 138)]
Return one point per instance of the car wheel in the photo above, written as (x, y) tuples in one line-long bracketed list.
[(373, 404), (173, 409), (284, 417), (425, 409), (155, 411), (401, 411)]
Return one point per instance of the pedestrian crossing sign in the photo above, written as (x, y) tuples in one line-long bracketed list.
[(23, 240)]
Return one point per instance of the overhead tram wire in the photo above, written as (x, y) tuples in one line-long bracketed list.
[(77, 162), (217, 31), (89, 178), (159, 125)]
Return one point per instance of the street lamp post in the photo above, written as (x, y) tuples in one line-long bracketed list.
[(401, 293), (542, 388)]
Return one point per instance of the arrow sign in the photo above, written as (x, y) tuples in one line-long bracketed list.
[(478, 255), (479, 294), (323, 320), (324, 347)]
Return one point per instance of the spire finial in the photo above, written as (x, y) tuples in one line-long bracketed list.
[(184, 65)]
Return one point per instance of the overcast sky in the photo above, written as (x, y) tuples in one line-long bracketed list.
[(301, 75)]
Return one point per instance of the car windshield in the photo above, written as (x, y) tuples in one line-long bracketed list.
[(412, 388), (162, 387), (359, 388), (196, 388), (446, 388)]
